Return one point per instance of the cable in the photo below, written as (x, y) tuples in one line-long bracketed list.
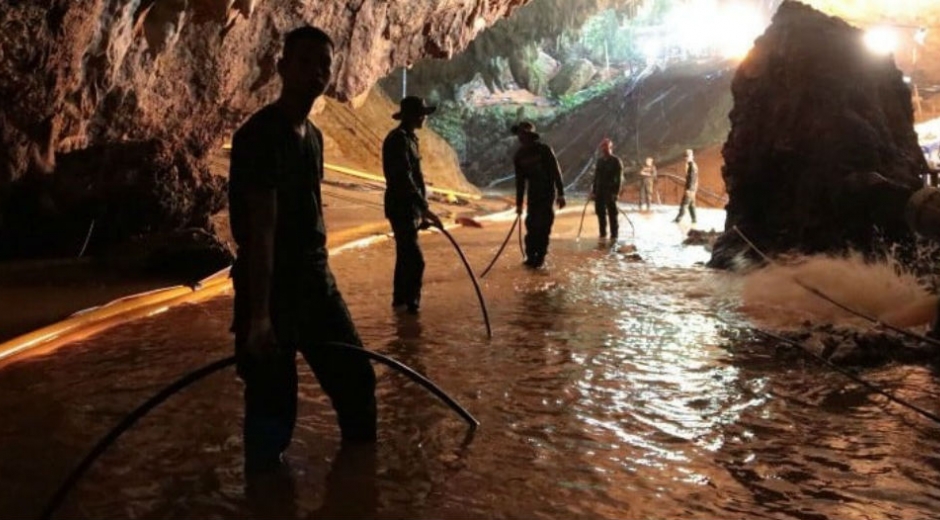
[(87, 238), (624, 213), (473, 278), (583, 212), (130, 419), (930, 415), (503, 246)]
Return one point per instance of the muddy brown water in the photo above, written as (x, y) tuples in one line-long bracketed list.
[(613, 388)]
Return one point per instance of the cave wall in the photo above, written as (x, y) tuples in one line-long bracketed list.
[(813, 111), (89, 77), (517, 38)]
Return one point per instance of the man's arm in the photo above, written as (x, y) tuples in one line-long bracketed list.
[(552, 164), (597, 171), (520, 185), (262, 219), (618, 182)]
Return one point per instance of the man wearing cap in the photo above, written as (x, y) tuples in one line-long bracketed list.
[(406, 205), (539, 177), (691, 186), (608, 175)]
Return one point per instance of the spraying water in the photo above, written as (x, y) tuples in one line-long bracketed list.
[(773, 298)]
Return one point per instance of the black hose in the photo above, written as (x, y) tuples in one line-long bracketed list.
[(130, 419), (583, 212), (503, 246), (473, 278)]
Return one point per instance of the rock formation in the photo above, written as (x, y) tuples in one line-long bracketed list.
[(121, 98), (814, 112)]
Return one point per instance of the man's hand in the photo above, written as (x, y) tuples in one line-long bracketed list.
[(561, 202), (519, 210), (260, 342), (591, 196), (433, 219)]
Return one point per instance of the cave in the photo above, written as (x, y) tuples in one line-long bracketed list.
[(673, 369)]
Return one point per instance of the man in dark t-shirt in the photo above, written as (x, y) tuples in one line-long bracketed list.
[(608, 176), (538, 177), (285, 295)]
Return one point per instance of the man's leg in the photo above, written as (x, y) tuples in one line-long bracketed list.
[(611, 208), (346, 377), (543, 218), (409, 264), (682, 205), (600, 209), (270, 406), (692, 207)]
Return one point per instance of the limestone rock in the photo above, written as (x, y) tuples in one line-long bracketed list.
[(572, 77), (813, 108)]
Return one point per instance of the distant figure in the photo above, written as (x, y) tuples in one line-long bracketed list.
[(691, 186), (608, 176), (406, 205), (286, 298), (647, 183), (538, 176)]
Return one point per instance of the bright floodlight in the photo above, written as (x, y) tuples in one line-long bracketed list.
[(737, 26), (881, 40)]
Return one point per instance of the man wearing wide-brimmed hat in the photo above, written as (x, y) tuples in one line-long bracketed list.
[(538, 176), (406, 205)]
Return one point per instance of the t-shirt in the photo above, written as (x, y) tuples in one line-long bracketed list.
[(537, 174), (267, 154), (608, 175)]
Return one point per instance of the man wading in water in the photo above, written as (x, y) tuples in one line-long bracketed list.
[(538, 176), (286, 298)]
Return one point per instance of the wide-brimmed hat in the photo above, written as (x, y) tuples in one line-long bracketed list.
[(413, 105), (525, 127)]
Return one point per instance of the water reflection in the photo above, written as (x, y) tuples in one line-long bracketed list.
[(613, 388)]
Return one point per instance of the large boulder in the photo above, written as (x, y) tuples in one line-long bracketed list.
[(814, 112), (532, 68), (572, 77)]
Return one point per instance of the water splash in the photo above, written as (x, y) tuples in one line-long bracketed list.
[(772, 297)]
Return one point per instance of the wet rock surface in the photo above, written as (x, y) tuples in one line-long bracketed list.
[(814, 109), (92, 78)]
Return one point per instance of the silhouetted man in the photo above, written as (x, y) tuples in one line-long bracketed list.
[(691, 186), (286, 298), (608, 176), (647, 183), (406, 205), (538, 176)]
